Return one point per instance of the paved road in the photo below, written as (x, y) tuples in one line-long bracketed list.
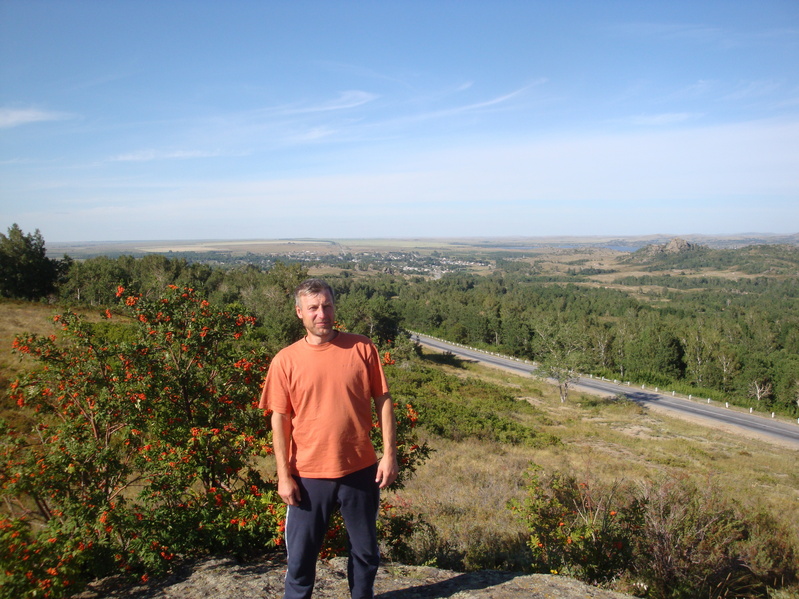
[(785, 432)]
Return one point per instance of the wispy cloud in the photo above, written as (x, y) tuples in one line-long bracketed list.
[(753, 89), (504, 98), (345, 100), (150, 155), (311, 135), (474, 107), (697, 90), (722, 37), (667, 118), (673, 31), (346, 117), (16, 117)]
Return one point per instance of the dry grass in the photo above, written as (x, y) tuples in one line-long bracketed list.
[(17, 318), (463, 492), (464, 488)]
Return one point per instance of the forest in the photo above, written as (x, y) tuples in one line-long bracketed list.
[(722, 339)]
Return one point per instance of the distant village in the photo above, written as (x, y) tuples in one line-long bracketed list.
[(432, 265)]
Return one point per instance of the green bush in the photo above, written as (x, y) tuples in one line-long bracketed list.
[(697, 542), (577, 527), (459, 409)]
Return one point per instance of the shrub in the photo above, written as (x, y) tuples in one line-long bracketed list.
[(460, 409), (139, 448), (697, 542), (664, 539), (401, 532), (578, 527)]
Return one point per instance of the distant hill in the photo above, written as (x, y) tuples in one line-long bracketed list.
[(675, 246), (85, 249), (774, 259)]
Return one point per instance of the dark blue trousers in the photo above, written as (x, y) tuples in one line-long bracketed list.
[(357, 496)]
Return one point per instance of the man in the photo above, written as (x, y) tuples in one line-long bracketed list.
[(320, 391)]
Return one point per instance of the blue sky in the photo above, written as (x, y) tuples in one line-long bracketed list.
[(132, 120)]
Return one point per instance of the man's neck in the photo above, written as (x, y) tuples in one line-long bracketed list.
[(312, 339)]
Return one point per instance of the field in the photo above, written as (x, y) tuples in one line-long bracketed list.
[(258, 246)]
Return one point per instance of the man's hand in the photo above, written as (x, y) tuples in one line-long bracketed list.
[(388, 468), (387, 471), (289, 491), (287, 487)]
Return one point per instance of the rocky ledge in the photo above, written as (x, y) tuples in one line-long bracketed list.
[(225, 578)]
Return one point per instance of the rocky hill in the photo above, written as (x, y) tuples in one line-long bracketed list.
[(225, 578), (675, 246)]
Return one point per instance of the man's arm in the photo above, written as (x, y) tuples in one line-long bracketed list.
[(388, 468), (287, 487)]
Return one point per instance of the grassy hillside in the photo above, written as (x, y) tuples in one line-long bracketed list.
[(464, 489)]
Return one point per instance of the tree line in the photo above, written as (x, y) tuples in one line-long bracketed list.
[(736, 339)]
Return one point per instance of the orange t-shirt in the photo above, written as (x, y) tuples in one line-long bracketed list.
[(327, 390)]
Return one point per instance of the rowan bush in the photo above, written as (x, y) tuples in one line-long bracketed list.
[(578, 527), (139, 447)]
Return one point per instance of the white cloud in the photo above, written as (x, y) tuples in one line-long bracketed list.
[(707, 179), (15, 117), (730, 165)]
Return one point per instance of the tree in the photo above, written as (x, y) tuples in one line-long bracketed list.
[(561, 353), (728, 363), (760, 389), (602, 339), (374, 317), (756, 379), (25, 270), (656, 355), (93, 281), (699, 342)]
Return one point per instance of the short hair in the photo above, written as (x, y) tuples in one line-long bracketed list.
[(313, 287)]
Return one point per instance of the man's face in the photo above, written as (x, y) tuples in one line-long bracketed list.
[(317, 313)]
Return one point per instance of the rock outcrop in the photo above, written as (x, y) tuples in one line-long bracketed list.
[(675, 246), (225, 578)]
